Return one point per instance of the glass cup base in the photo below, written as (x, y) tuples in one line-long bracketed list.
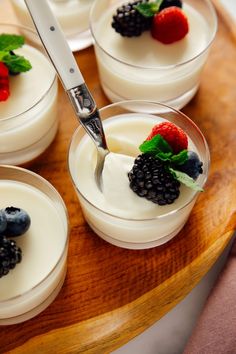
[(24, 156), (177, 103)]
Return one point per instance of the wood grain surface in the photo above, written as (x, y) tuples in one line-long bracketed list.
[(111, 294)]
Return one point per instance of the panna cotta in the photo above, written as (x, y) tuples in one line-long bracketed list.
[(28, 118), (73, 16), (143, 67), (116, 213), (33, 284)]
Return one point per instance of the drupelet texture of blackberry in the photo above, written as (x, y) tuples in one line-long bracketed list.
[(10, 255), (129, 22), (150, 179)]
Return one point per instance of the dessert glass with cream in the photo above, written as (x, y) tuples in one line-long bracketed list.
[(116, 213), (35, 282), (73, 16), (144, 68), (28, 118)]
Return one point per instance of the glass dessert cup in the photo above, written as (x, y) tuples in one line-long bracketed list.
[(124, 126), (35, 282), (29, 117), (73, 16), (143, 68)]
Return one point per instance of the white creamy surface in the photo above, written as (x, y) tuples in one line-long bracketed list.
[(73, 15), (145, 51), (26, 89), (42, 245)]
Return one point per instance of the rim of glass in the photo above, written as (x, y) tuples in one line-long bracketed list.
[(44, 181), (190, 122), (164, 67), (25, 28)]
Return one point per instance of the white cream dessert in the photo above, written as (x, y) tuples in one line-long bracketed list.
[(117, 213), (28, 119), (144, 68), (73, 15), (44, 249)]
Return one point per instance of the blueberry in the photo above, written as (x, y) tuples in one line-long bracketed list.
[(3, 222), (193, 166), (18, 221), (168, 3)]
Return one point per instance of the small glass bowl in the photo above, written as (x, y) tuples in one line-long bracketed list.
[(123, 63), (140, 232), (73, 16), (35, 282), (28, 124)]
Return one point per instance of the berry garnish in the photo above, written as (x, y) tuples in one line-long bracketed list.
[(193, 166), (15, 63), (10, 62), (10, 255), (174, 135), (168, 3), (164, 164), (129, 22), (150, 179), (3, 222), (4, 82), (169, 25), (18, 221)]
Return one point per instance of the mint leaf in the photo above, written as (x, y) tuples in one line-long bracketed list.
[(180, 158), (149, 9), (155, 146), (10, 42), (185, 179), (16, 63), (164, 156)]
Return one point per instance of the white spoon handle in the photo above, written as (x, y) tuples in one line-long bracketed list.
[(55, 43)]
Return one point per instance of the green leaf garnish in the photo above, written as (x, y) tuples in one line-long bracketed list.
[(149, 9), (156, 145), (15, 63), (180, 158), (185, 179), (10, 42)]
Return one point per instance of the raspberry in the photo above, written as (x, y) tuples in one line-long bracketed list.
[(174, 135), (129, 22), (150, 179), (169, 25), (4, 82), (3, 70)]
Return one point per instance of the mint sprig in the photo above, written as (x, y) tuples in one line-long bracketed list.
[(15, 63), (159, 148), (149, 9), (10, 42), (185, 179)]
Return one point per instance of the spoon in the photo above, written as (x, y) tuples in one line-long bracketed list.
[(68, 71)]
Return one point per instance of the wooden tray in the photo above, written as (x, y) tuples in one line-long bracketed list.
[(111, 294)]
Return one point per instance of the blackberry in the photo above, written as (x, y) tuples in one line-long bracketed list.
[(10, 255), (168, 3), (3, 222), (150, 179), (129, 22)]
